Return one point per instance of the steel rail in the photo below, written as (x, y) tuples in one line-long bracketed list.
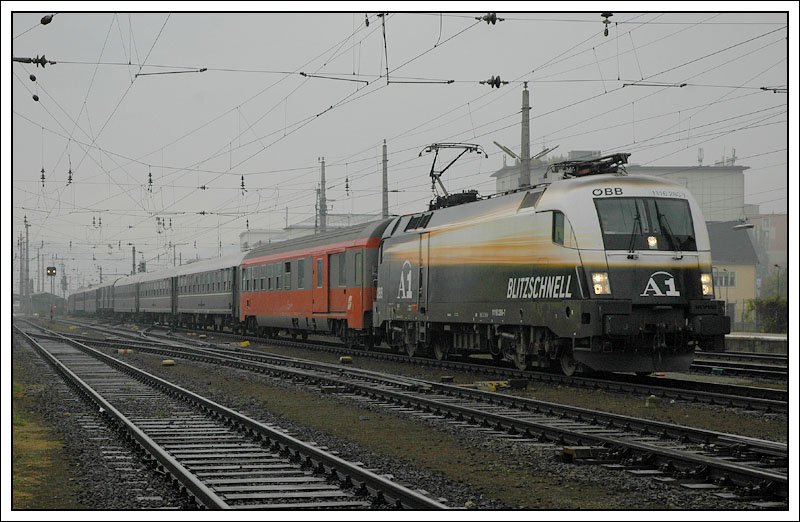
[(722, 470), (199, 490), (375, 485)]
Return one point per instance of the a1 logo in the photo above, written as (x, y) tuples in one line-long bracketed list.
[(653, 290)]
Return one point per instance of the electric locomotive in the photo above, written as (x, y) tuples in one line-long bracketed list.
[(596, 269)]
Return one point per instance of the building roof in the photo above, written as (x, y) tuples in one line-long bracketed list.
[(729, 245)]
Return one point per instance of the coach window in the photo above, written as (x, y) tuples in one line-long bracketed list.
[(359, 268), (287, 273), (300, 273), (319, 273), (342, 271)]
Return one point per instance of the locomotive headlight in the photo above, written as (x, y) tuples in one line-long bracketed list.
[(600, 282), (652, 242), (706, 283)]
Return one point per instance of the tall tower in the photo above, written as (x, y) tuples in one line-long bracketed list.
[(385, 206), (525, 149), (323, 205)]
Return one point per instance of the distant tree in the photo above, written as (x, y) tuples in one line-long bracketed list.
[(775, 284), (771, 313)]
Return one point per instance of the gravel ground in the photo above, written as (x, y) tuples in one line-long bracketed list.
[(547, 484), (566, 487), (108, 473)]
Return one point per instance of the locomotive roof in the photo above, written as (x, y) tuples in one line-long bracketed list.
[(554, 194), (373, 229)]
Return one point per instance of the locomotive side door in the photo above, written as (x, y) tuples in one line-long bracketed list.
[(422, 279), (319, 284)]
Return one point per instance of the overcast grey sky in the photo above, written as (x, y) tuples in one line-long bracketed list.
[(252, 114)]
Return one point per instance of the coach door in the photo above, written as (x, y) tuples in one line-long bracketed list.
[(319, 284), (422, 290)]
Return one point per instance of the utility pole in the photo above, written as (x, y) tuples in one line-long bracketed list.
[(27, 265), (63, 281), (101, 273), (21, 272), (525, 150), (38, 270), (323, 205), (385, 207)]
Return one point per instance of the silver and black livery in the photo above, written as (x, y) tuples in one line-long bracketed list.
[(595, 268)]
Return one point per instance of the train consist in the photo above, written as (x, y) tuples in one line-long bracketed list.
[(592, 269)]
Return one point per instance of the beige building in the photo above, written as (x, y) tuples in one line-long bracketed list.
[(735, 265)]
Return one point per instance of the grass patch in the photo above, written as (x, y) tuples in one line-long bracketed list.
[(41, 475)]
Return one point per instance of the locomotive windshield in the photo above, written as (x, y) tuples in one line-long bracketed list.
[(646, 224)]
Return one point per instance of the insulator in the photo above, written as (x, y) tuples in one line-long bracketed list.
[(43, 176), (366, 20), (94, 223), (69, 178), (606, 21), (46, 19), (35, 97), (32, 77)]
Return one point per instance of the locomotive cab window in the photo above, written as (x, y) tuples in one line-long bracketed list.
[(562, 231), (558, 228), (646, 224)]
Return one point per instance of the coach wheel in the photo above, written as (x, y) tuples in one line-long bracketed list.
[(568, 364), (440, 350), (304, 335), (411, 349)]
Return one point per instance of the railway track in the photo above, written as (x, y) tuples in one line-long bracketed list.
[(732, 396), (223, 459), (774, 367), (740, 467)]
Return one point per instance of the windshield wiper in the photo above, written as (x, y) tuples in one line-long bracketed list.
[(664, 222), (637, 221)]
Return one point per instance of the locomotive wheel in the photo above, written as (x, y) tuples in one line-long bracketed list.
[(520, 357), (439, 351), (411, 349), (568, 364)]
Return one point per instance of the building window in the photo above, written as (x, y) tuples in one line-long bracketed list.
[(724, 279)]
